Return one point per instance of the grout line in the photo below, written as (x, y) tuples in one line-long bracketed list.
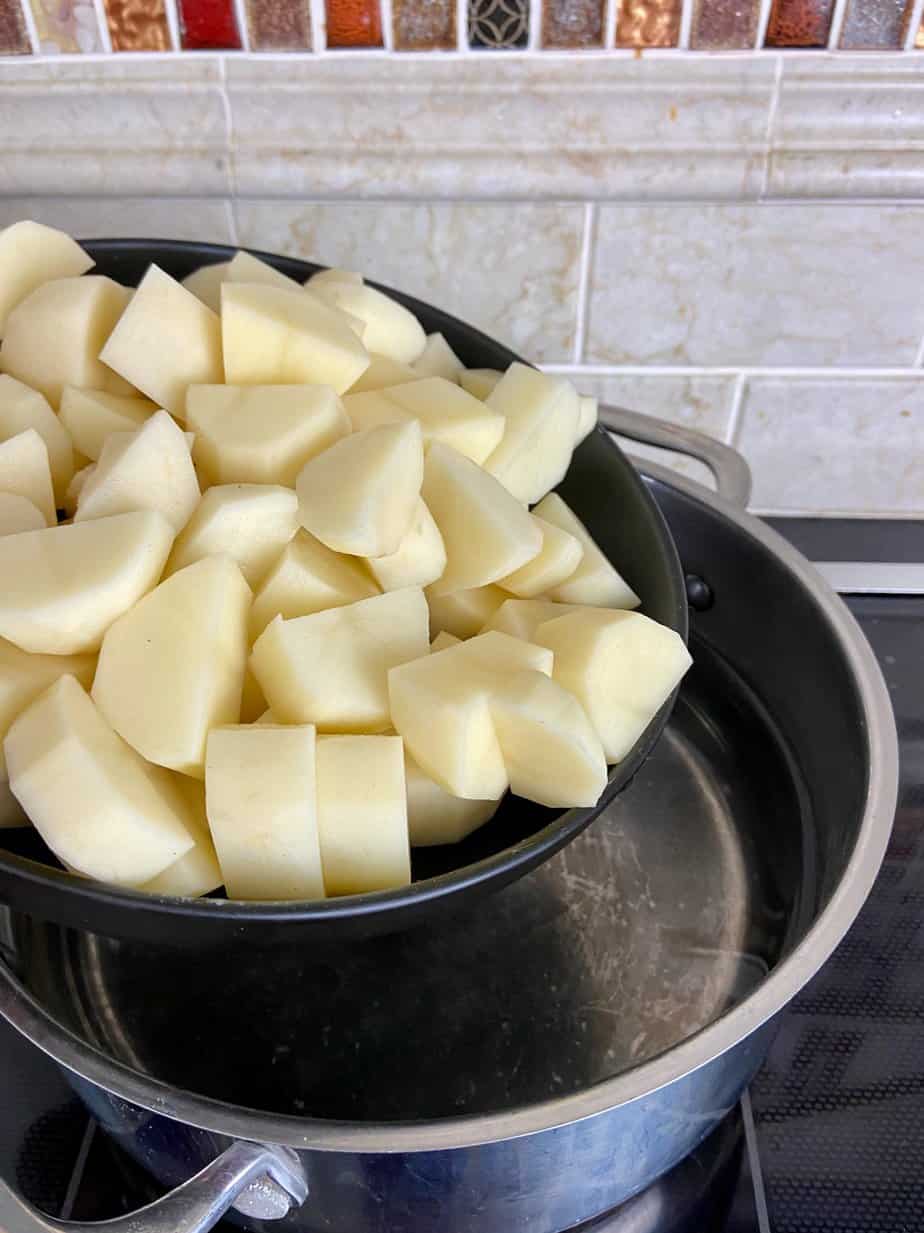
[(231, 215), (29, 20), (914, 24), (229, 125), (534, 34), (692, 370), (919, 358), (771, 126), (609, 29), (837, 23), (388, 29), (102, 22), (736, 410), (80, 1164), (462, 25), (173, 23), (582, 307), (240, 13), (757, 1175), (318, 30), (763, 22), (686, 24)]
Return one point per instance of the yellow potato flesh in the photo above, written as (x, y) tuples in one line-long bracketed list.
[(419, 560), (541, 414), (24, 470), (556, 561), (22, 408), (250, 522), (464, 613), (32, 254), (90, 416), (595, 581), (438, 359), (434, 816)]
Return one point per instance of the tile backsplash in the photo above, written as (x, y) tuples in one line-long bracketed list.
[(729, 241)]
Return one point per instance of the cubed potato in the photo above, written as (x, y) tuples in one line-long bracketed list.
[(361, 495), (173, 667), (147, 469), (550, 749), (19, 514), (541, 413), (362, 814), (371, 409), (479, 382), (261, 795), (250, 522), (205, 284), (261, 434), (595, 581), (464, 613), (32, 254), (64, 586), (587, 417), (22, 408), (246, 268), (165, 341), (434, 816), (559, 557), (102, 809), (448, 414), (438, 360), (75, 488), (23, 677), (90, 416), (486, 531), (382, 372), (197, 872), (522, 617), (443, 640), (440, 705), (331, 668), (305, 578), (621, 666), (24, 470), (333, 275), (391, 329), (273, 336), (78, 314), (253, 704), (420, 559)]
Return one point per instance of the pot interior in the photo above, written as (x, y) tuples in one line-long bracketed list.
[(668, 911)]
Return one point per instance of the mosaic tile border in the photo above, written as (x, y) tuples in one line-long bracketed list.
[(50, 28)]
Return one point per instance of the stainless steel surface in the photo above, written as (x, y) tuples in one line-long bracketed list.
[(439, 1128), (873, 577), (731, 471), (194, 1207)]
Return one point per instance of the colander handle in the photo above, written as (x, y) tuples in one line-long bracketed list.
[(732, 473), (272, 1175)]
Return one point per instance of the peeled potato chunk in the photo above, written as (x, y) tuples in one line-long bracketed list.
[(558, 558), (147, 469), (391, 329), (24, 470), (102, 809), (479, 382), (438, 359), (253, 704), (246, 268), (165, 341), (541, 414), (549, 746), (361, 495), (419, 560), (250, 522), (595, 581), (331, 668), (32, 254), (22, 408), (621, 666), (197, 872), (53, 337), (382, 372), (487, 532), (443, 640), (362, 814), (173, 667), (64, 586), (19, 514), (587, 417), (90, 416), (274, 336), (464, 613), (305, 578), (205, 284), (447, 413), (434, 816), (261, 434), (522, 617), (440, 705), (261, 797), (333, 275), (23, 677), (75, 488)]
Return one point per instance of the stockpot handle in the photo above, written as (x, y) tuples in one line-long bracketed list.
[(732, 473), (194, 1207)]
